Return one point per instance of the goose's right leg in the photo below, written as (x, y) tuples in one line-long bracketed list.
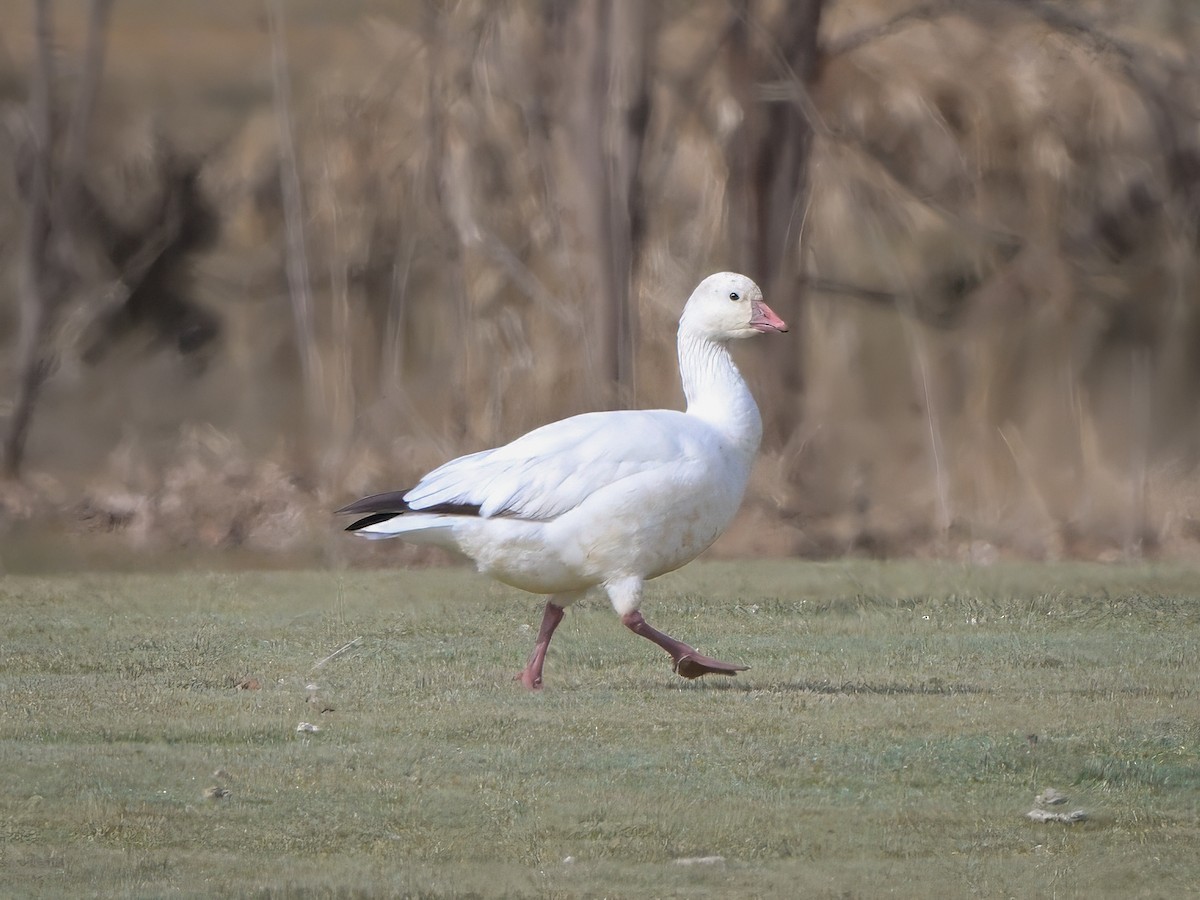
[(531, 675)]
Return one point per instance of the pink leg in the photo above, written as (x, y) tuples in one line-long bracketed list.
[(531, 675), (687, 662)]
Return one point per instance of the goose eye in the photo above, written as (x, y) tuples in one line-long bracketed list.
[(733, 295)]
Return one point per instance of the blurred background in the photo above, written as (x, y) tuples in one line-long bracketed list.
[(263, 258)]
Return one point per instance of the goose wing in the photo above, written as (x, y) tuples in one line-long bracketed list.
[(555, 468)]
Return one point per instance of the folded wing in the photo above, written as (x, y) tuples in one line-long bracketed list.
[(554, 469)]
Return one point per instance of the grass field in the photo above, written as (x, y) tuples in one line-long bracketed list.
[(883, 743)]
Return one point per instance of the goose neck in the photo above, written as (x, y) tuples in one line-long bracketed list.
[(715, 389)]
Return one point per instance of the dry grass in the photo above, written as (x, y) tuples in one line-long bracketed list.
[(1019, 383)]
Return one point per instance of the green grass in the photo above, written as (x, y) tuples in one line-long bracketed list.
[(878, 747)]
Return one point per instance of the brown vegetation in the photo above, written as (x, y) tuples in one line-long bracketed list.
[(322, 252)]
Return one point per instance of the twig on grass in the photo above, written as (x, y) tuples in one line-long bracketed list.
[(338, 652), (1067, 818)]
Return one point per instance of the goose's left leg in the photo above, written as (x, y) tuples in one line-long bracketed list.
[(626, 596), (531, 675)]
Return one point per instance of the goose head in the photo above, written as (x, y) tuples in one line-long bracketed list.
[(726, 306)]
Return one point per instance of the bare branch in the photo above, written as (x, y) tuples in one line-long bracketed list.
[(134, 270), (963, 223), (922, 13), (831, 286), (524, 278), (1074, 24)]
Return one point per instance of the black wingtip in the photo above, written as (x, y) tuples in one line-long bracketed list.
[(391, 502), (367, 521), (380, 507)]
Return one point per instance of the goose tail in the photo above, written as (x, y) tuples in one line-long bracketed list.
[(387, 515)]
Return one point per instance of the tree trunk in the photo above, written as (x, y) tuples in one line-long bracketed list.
[(628, 118), (769, 169), (33, 363), (608, 118), (295, 253)]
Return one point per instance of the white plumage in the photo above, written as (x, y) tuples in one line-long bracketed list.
[(606, 499)]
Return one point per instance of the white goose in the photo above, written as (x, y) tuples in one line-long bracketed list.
[(604, 498)]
